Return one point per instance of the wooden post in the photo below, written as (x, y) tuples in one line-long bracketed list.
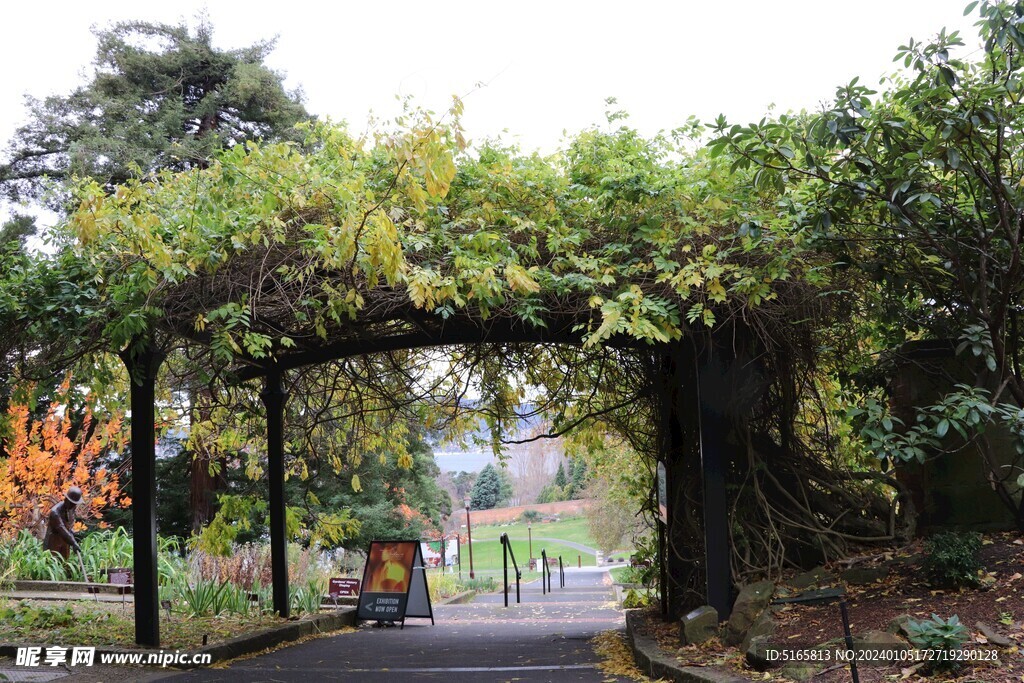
[(718, 569), (142, 368), (694, 425), (716, 392), (274, 399)]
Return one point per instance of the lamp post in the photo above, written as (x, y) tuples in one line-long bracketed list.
[(529, 531), (469, 539)]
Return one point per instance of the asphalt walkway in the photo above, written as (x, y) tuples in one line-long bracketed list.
[(545, 638)]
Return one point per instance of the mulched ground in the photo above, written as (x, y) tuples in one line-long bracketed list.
[(999, 602)]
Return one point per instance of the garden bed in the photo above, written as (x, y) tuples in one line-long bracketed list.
[(88, 623), (998, 602)]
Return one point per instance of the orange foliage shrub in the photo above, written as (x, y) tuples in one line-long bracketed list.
[(46, 457)]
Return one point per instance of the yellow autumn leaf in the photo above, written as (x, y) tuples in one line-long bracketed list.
[(519, 279), (716, 290)]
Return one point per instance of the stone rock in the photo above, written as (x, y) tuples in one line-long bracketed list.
[(752, 600), (764, 626), (756, 653), (801, 671), (814, 577), (903, 560), (899, 625), (879, 640), (698, 626), (864, 576), (991, 635)]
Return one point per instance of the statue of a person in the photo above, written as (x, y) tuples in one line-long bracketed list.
[(59, 538)]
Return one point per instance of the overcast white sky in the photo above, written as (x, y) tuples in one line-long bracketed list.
[(548, 65)]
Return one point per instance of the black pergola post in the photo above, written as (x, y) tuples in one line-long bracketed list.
[(695, 423), (274, 398), (713, 453), (142, 369)]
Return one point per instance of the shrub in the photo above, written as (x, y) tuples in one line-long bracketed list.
[(631, 575), (203, 598), (530, 516), (247, 564), (443, 586), (26, 615), (636, 599), (485, 584), (939, 635), (951, 559)]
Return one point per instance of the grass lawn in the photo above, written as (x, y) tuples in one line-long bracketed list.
[(487, 548), (89, 623), (487, 554), (623, 574), (574, 530)]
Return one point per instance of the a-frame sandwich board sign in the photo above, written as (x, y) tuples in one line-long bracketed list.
[(394, 583)]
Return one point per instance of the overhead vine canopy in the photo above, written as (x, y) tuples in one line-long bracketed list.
[(276, 249), (292, 254)]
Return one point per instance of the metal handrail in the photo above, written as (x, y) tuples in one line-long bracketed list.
[(561, 573), (504, 560), (543, 570)]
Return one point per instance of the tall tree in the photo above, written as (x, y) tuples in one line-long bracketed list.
[(16, 230), (160, 97), (486, 492), (560, 478)]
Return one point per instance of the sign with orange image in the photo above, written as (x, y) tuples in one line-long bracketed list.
[(394, 583)]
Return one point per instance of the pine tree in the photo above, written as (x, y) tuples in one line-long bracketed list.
[(579, 479), (486, 491), (561, 480), (161, 97)]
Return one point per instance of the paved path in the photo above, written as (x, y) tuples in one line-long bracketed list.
[(545, 638)]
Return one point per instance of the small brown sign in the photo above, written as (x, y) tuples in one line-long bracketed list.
[(121, 576), (343, 588)]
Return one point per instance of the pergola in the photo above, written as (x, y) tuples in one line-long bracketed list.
[(275, 259), (696, 421)]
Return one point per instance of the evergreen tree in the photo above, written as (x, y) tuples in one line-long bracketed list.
[(486, 491), (16, 230), (561, 480), (506, 487), (578, 479), (161, 97)]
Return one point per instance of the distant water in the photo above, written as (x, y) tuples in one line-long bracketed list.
[(462, 462)]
